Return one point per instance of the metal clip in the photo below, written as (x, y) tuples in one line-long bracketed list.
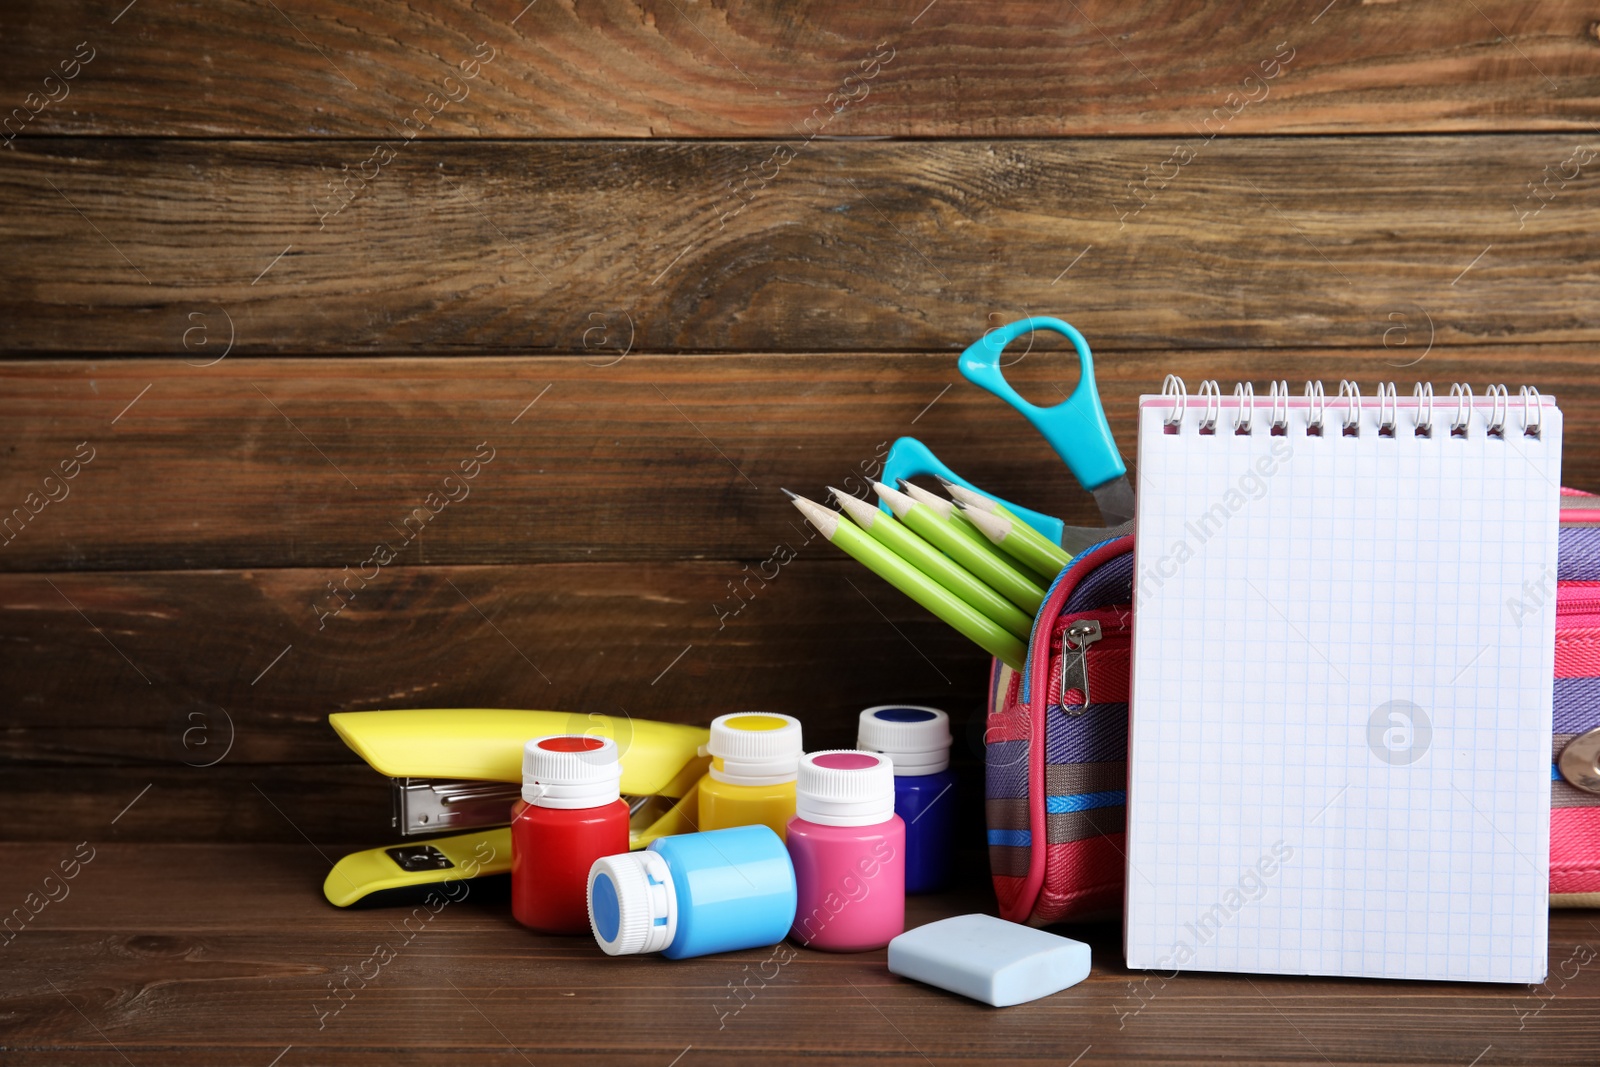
[(1580, 761), (1075, 644), (434, 805)]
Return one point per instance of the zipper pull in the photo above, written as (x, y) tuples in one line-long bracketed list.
[(1075, 644)]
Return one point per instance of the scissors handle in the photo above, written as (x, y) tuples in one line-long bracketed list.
[(909, 457), (1076, 428)]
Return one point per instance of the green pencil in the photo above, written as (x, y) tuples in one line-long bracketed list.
[(966, 500), (982, 560), (1020, 539), (945, 510), (936, 565), (957, 518), (856, 543)]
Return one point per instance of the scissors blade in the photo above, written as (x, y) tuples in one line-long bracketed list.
[(1075, 539), (1116, 500)]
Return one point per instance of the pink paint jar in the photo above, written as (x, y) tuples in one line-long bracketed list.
[(848, 848)]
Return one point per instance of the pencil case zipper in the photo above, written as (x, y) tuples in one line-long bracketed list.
[(1577, 598), (1102, 637)]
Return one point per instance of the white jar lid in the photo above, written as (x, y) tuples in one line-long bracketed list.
[(845, 787), (755, 748), (633, 905), (916, 738), (570, 771)]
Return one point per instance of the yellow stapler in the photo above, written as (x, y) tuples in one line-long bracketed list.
[(460, 769)]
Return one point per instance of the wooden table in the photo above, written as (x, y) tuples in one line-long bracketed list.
[(225, 954), (281, 267)]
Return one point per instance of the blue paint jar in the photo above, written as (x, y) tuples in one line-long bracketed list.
[(917, 741), (694, 894)]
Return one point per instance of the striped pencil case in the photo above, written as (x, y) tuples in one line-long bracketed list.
[(1574, 785), (1056, 741)]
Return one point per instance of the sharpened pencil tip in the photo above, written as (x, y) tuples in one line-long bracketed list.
[(898, 502), (824, 519), (838, 494), (791, 496), (968, 499), (993, 526)]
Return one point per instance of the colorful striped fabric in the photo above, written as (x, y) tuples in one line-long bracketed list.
[(1063, 777), (1083, 774)]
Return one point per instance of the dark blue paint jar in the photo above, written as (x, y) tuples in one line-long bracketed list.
[(917, 741)]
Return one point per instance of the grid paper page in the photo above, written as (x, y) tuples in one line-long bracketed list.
[(1339, 749)]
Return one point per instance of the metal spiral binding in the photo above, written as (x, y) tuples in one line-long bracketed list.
[(1388, 409), (1496, 416), (1532, 412), (1424, 395), (1173, 387), (1319, 406), (1352, 415), (1211, 393), (1280, 407), (1461, 393), (1245, 393)]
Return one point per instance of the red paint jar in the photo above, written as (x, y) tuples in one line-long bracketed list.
[(571, 814)]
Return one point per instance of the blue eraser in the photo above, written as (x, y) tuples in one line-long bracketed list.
[(989, 959)]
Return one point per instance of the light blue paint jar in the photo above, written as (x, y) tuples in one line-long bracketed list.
[(694, 894)]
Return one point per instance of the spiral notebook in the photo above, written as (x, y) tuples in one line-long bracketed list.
[(1344, 635)]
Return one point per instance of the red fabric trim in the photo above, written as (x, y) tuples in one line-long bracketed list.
[(1006, 890), (1007, 723), (1082, 878), (1575, 850), (1577, 652)]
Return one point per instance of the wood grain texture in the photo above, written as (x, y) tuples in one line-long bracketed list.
[(245, 464), (666, 69), (205, 954), (501, 248), (206, 683), (337, 807), (639, 639)]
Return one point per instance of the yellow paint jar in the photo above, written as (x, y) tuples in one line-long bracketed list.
[(755, 758)]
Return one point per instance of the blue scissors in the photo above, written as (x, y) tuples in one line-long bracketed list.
[(1076, 428)]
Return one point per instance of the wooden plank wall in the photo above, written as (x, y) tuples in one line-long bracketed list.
[(271, 272)]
